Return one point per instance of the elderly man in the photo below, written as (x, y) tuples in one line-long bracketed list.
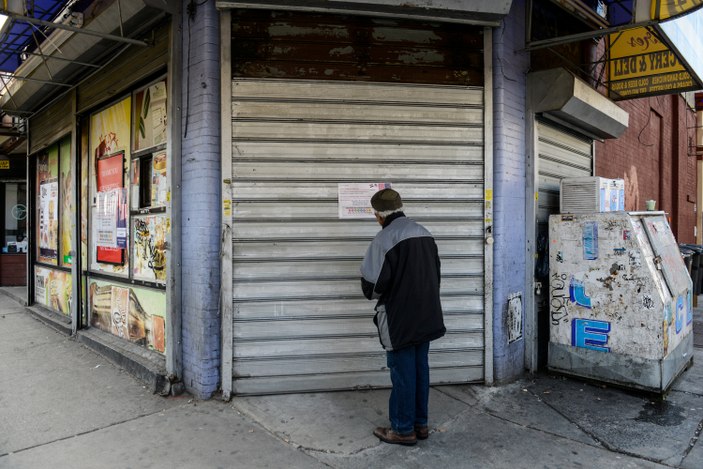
[(401, 269)]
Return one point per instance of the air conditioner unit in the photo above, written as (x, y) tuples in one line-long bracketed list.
[(591, 194)]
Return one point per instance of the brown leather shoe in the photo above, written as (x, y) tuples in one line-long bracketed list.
[(422, 432), (387, 435)]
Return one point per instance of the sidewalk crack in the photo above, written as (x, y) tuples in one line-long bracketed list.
[(87, 432), (595, 438)]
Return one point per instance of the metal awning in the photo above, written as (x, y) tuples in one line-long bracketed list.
[(47, 47), (18, 36), (675, 25)]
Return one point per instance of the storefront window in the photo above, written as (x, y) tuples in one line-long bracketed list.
[(128, 222), (54, 227), (149, 184), (54, 204)]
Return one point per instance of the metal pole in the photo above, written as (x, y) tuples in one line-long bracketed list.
[(226, 295), (174, 354)]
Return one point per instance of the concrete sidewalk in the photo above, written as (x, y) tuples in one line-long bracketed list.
[(64, 406)]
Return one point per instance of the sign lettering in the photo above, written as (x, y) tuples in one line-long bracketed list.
[(641, 65)]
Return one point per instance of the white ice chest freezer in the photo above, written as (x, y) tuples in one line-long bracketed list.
[(620, 299)]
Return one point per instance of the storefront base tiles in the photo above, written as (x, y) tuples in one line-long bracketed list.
[(147, 366), (54, 320)]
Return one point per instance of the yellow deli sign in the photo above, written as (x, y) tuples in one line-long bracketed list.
[(4, 164), (665, 9), (641, 65)]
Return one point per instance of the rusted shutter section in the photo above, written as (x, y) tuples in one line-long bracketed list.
[(300, 320), (274, 44)]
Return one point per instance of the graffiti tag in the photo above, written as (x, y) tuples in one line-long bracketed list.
[(559, 298), (577, 293), (647, 302)]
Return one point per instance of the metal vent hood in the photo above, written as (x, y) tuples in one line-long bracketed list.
[(564, 98)]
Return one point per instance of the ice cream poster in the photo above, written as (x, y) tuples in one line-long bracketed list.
[(48, 219)]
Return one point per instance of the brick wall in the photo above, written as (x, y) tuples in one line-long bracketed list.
[(653, 158), (200, 193), (509, 99)]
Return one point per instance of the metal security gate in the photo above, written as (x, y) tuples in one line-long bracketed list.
[(562, 154), (299, 320)]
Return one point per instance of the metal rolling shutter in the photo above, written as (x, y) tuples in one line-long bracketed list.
[(561, 154), (300, 320)]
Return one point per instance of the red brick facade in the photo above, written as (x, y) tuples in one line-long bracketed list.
[(656, 157)]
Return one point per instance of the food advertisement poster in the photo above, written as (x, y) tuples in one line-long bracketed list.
[(48, 220), (53, 289), (149, 257), (109, 150), (150, 116), (66, 201), (136, 314), (85, 156), (48, 205), (159, 184), (119, 309), (355, 198), (134, 184)]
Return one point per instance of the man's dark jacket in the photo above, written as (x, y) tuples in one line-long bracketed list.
[(402, 269)]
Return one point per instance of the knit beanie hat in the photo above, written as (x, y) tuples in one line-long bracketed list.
[(386, 200)]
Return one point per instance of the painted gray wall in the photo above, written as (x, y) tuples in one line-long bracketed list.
[(509, 103), (200, 195)]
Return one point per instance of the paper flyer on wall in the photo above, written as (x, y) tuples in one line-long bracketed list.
[(354, 199), (105, 221), (122, 213), (111, 219)]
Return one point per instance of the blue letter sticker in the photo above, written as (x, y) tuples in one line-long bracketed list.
[(591, 334)]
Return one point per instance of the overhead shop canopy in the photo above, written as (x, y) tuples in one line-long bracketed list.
[(16, 36), (48, 47)]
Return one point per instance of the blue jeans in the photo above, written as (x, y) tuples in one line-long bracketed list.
[(410, 376)]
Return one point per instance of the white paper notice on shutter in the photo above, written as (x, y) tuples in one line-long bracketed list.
[(355, 198)]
